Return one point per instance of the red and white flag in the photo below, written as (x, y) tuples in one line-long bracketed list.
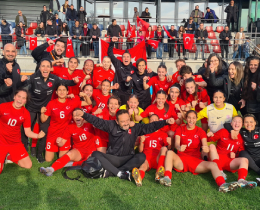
[(130, 31), (139, 51), (167, 32), (69, 49), (50, 48), (153, 43), (143, 26), (188, 41), (33, 43)]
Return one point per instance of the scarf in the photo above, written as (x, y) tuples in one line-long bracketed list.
[(85, 30)]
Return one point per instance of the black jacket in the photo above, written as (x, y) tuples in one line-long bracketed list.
[(223, 35), (51, 5), (192, 26), (157, 37), (114, 31), (44, 16), (197, 35), (39, 31), (251, 140), (71, 14), (94, 33), (231, 12), (51, 30), (172, 33), (41, 91), (18, 33), (74, 31), (122, 142), (39, 53), (7, 93), (121, 71), (82, 17), (144, 14)]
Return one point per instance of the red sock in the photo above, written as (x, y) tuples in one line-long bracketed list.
[(220, 180), (161, 161), (168, 173), (61, 162), (78, 163), (142, 174), (242, 173), (218, 163), (1, 167)]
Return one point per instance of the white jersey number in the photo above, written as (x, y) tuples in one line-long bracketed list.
[(83, 137), (12, 122), (153, 144), (230, 147), (101, 105), (190, 142), (62, 115)]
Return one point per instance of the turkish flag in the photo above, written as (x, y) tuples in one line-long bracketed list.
[(50, 48), (143, 26), (153, 43), (188, 41), (138, 51), (167, 32), (69, 49), (33, 43), (130, 31)]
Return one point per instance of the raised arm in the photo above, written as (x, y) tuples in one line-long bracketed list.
[(143, 129), (38, 51), (110, 53)]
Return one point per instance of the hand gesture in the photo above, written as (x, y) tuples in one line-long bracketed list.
[(193, 104), (202, 105), (114, 39), (8, 82), (98, 111), (41, 135), (115, 86), (232, 155), (149, 70), (79, 113), (81, 94), (76, 80), (253, 85), (170, 121), (136, 111), (177, 106), (24, 78), (142, 139), (72, 95), (210, 134), (9, 67), (128, 79), (243, 103), (43, 110), (212, 68), (205, 149), (181, 82), (169, 78), (51, 42), (79, 37), (132, 124), (87, 77), (169, 140), (130, 111), (145, 79), (182, 148)]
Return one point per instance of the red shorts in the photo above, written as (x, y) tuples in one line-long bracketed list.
[(204, 120), (225, 161), (152, 160), (17, 152), (189, 164), (85, 152), (101, 142), (52, 146)]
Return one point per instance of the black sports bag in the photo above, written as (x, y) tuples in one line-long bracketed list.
[(91, 168)]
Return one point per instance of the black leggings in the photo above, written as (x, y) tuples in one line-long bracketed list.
[(43, 126), (114, 164), (253, 164)]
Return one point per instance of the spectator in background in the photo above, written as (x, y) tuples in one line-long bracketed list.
[(21, 39), (239, 42), (246, 49), (149, 35), (231, 11), (76, 34), (190, 26), (64, 29), (71, 17), (136, 14), (224, 37), (54, 7), (6, 31), (210, 16), (114, 30), (130, 40), (86, 41), (196, 15), (171, 42), (180, 42), (144, 14), (51, 30), (82, 16), (63, 10), (159, 35), (201, 35), (95, 34), (140, 37), (57, 21), (40, 30), (21, 18), (45, 15)]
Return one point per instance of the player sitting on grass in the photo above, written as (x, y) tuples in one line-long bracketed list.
[(154, 146), (227, 150), (189, 140)]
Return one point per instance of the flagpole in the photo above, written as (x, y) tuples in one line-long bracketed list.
[(99, 48)]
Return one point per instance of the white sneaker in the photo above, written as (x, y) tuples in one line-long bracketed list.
[(224, 175)]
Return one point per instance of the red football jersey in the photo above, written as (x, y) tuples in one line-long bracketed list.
[(99, 75), (88, 109), (83, 137), (152, 109), (61, 115), (11, 120), (175, 77), (191, 138), (202, 97), (226, 144), (100, 99), (181, 103), (159, 85), (154, 142)]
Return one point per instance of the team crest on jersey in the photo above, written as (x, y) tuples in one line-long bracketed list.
[(161, 119), (97, 142), (109, 78), (18, 71), (148, 78), (129, 131), (49, 84), (67, 107), (256, 136), (132, 72), (196, 136), (159, 138), (166, 116), (85, 129), (166, 86), (21, 118)]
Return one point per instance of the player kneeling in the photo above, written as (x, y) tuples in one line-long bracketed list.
[(154, 146), (188, 141), (84, 143), (226, 151)]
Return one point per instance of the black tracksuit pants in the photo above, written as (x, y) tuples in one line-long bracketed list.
[(114, 164), (253, 164)]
